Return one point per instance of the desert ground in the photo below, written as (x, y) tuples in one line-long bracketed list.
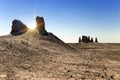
[(33, 57)]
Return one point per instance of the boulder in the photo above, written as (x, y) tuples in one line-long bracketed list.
[(41, 26), (18, 27)]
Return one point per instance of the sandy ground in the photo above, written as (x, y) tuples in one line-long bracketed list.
[(33, 57)]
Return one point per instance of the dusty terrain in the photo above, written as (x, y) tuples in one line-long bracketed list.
[(34, 57)]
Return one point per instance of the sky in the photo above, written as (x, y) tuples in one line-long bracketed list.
[(67, 19)]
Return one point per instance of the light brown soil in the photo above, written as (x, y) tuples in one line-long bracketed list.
[(33, 57)]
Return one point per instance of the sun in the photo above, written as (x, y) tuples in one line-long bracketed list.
[(31, 25)]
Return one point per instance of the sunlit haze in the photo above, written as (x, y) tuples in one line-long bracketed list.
[(31, 24), (67, 19)]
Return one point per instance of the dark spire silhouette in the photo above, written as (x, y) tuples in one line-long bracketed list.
[(96, 40), (79, 40)]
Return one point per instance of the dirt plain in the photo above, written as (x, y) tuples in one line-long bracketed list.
[(34, 57)]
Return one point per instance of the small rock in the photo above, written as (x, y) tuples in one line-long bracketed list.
[(68, 71)]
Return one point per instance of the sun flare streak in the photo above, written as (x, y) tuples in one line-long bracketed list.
[(31, 24)]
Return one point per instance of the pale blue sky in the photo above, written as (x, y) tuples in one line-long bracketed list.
[(68, 19)]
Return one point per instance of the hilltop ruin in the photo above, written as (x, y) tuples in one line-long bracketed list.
[(87, 39)]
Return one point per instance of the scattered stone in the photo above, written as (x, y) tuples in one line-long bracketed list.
[(18, 27), (71, 76), (68, 71), (102, 76), (111, 77), (83, 78)]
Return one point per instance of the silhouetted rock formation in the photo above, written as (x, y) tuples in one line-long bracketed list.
[(41, 26), (91, 40), (18, 27), (87, 39), (84, 39), (80, 40), (96, 40)]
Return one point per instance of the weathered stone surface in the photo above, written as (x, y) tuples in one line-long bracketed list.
[(18, 27), (41, 26)]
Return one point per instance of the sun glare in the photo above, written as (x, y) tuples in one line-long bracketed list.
[(31, 25)]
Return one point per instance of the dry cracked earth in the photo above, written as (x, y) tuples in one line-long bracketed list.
[(34, 57)]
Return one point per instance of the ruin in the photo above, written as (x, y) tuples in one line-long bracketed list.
[(87, 39)]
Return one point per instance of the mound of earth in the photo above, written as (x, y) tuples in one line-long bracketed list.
[(31, 56)]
